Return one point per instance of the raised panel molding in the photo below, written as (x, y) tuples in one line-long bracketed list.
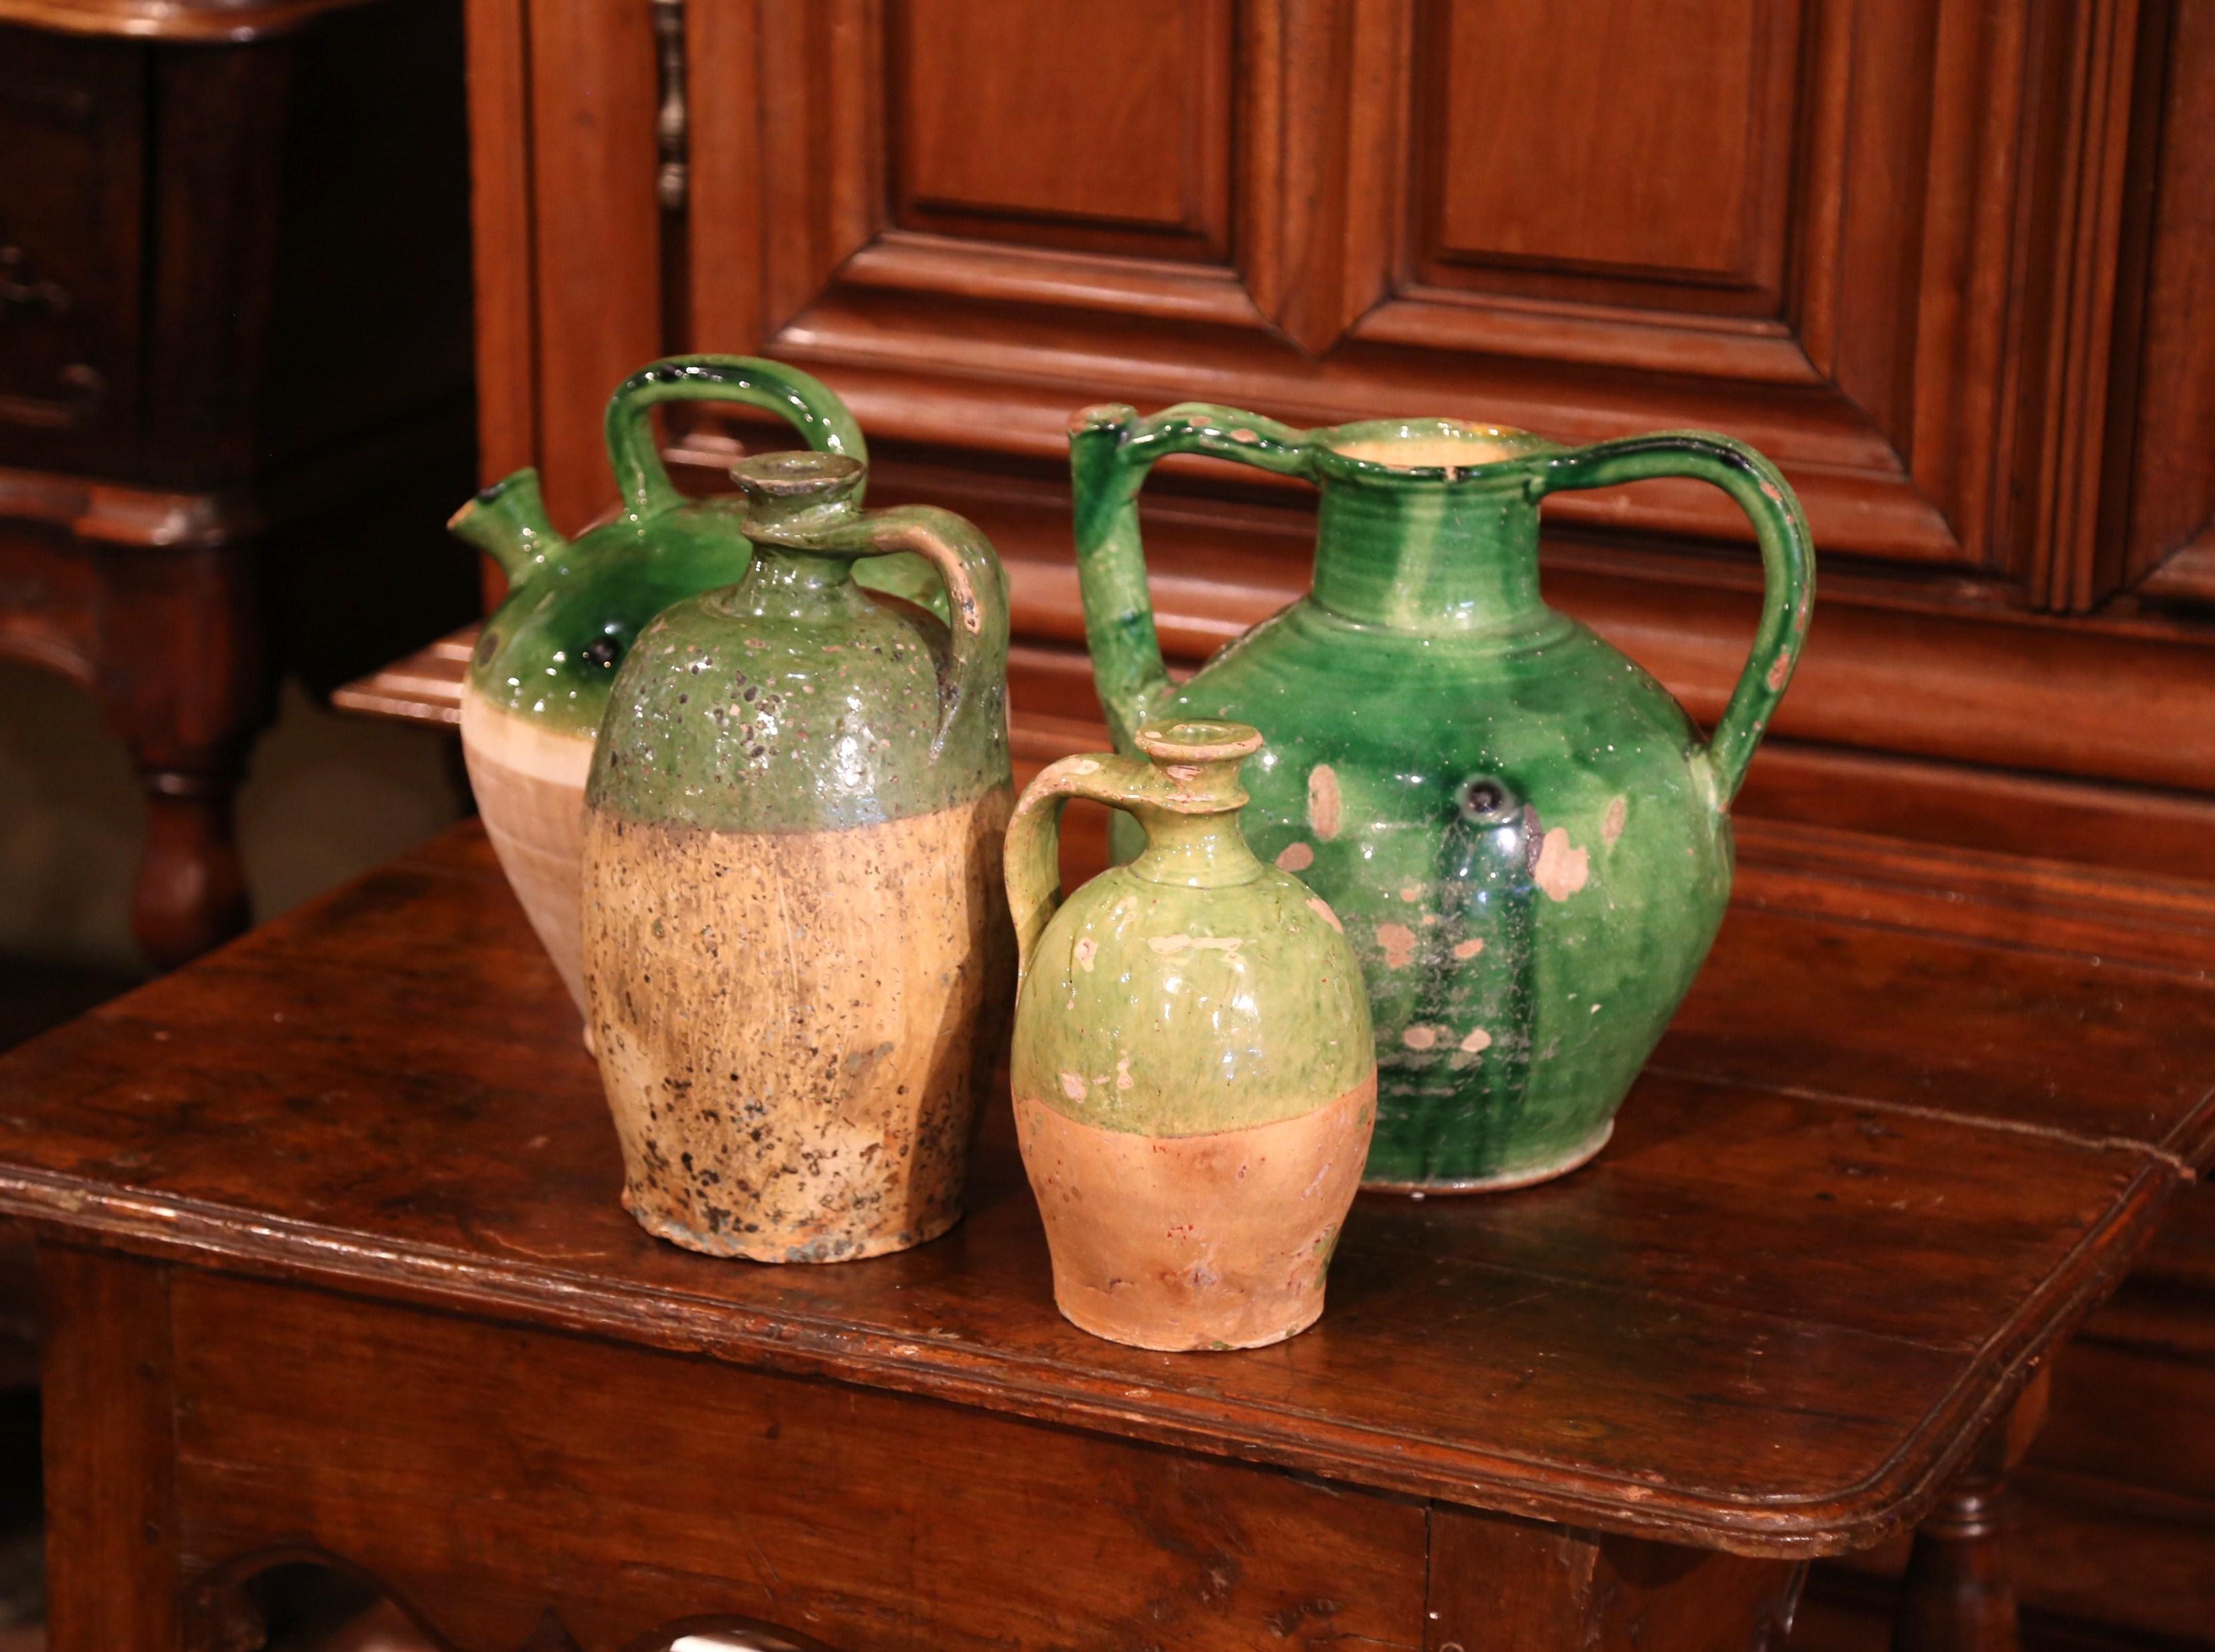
[(1682, 160), (1120, 116), (1902, 346), (1974, 353)]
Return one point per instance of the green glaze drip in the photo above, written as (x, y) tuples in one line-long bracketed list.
[(1454, 558), (795, 700)]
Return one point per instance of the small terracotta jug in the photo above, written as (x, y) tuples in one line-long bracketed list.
[(1194, 1079), (797, 959)]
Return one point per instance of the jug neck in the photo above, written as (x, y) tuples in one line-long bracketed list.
[(793, 584), (1429, 557), (1193, 851)]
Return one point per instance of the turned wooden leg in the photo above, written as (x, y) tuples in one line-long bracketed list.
[(182, 681), (1958, 1594), (191, 893)]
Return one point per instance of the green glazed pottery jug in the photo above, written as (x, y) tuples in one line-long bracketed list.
[(797, 957), (538, 681), (1526, 838), (1194, 1074)]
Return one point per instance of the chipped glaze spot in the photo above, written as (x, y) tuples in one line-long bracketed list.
[(1123, 1079), (1411, 892), (1420, 1037), (1478, 1039), (1295, 857), (1780, 673), (1465, 949), (1324, 805), (1329, 917), (1166, 944), (1085, 951), (1562, 869), (1073, 1085), (1611, 828), (1399, 944), (1080, 766)]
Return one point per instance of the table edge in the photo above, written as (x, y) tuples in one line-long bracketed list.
[(73, 1210)]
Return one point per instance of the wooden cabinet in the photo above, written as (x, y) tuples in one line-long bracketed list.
[(1937, 256), (1946, 260), (234, 374)]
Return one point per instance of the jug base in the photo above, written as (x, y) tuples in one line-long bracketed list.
[(770, 1248), (1138, 1333), (1506, 1180)]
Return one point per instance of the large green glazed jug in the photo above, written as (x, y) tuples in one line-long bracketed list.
[(798, 963), (538, 682), (1526, 838)]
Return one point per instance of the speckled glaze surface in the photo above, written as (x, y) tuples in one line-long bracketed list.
[(538, 682), (797, 959), (1192, 1069), (1526, 839)]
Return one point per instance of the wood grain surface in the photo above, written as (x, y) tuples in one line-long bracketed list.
[(1771, 1317)]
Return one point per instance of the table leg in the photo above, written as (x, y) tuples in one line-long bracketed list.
[(191, 892), (1958, 1594), (112, 1566), (182, 681), (1503, 1585)]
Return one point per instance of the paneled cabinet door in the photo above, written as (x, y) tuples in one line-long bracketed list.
[(1909, 247), (1826, 227)]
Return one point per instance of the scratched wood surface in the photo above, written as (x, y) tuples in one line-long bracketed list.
[(1871, 1180)]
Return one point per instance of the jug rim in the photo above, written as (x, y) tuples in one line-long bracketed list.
[(1426, 449)]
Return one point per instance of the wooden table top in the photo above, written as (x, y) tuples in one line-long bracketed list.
[(1870, 1178)]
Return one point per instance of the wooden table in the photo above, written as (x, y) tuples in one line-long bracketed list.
[(335, 1269)]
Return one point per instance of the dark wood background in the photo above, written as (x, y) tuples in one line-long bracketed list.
[(1950, 262)]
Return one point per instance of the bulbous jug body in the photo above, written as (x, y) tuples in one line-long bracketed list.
[(796, 953), (537, 683), (1526, 836), (1193, 1076)]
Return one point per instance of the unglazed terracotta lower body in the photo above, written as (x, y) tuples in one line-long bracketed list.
[(1214, 1241), (793, 1027), (529, 786)]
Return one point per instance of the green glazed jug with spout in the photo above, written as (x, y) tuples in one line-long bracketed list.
[(537, 683), (1525, 837)]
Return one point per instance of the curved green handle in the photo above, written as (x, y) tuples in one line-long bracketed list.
[(1787, 562), (976, 591), (1111, 449), (803, 399), (1033, 846)]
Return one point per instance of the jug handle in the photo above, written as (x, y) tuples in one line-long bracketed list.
[(976, 592), (1111, 449), (1787, 562), (1033, 846), (804, 401)]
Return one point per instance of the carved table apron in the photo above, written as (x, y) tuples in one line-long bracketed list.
[(334, 1269)]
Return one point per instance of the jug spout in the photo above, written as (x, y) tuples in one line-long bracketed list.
[(507, 521)]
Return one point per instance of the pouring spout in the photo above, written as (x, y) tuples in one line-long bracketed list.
[(507, 521)]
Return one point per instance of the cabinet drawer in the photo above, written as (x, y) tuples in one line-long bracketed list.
[(71, 123), (484, 1475)]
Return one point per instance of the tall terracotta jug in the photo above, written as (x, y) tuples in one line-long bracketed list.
[(798, 963), (1526, 838), (539, 679)]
